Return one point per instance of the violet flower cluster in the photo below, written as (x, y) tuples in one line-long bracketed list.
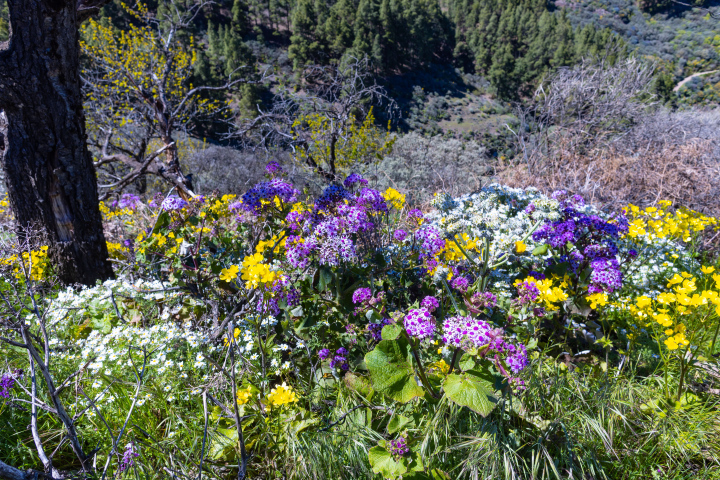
[(460, 284), (261, 196), (281, 291), (375, 329), (398, 448), (420, 324), (329, 228), (127, 200), (337, 360), (173, 203), (430, 303), (7, 383), (431, 242), (480, 301), (528, 292), (467, 333), (584, 240), (128, 459)]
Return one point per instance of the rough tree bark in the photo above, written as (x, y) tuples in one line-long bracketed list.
[(49, 172)]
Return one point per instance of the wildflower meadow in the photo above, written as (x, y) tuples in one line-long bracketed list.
[(277, 334)]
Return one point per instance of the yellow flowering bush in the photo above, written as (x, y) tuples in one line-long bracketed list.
[(35, 264), (681, 224)]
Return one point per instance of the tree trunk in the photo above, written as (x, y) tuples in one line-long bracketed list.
[(49, 172)]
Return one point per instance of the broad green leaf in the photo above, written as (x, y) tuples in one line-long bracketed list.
[(540, 250), (382, 462), (391, 332), (467, 362), (397, 423), (470, 391), (391, 373)]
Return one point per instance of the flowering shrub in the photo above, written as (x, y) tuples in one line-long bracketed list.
[(264, 317)]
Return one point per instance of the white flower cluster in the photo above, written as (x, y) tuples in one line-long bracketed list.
[(506, 215), (496, 212), (75, 303)]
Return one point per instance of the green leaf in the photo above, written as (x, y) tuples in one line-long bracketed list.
[(223, 445), (397, 423), (102, 324), (391, 332), (540, 250), (470, 391), (382, 462), (390, 371), (326, 278), (467, 362)]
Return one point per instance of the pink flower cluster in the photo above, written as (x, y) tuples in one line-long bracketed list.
[(420, 324)]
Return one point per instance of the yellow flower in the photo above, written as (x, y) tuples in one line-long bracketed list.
[(520, 247), (666, 298), (643, 301), (229, 274), (707, 270), (596, 299), (243, 396), (394, 198), (282, 395), (671, 343)]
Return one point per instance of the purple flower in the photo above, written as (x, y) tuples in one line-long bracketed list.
[(335, 250), (129, 200), (331, 196), (577, 200), (7, 383), (372, 199), (420, 324), (361, 295), (128, 459), (354, 178), (430, 240), (298, 251), (517, 358), (398, 448), (375, 329), (252, 200), (415, 213), (467, 332), (341, 351), (430, 303), (559, 195), (324, 354), (173, 202), (482, 300), (273, 168), (400, 235), (460, 283), (530, 208), (528, 292), (340, 362)]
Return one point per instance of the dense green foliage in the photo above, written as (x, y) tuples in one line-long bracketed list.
[(513, 42)]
